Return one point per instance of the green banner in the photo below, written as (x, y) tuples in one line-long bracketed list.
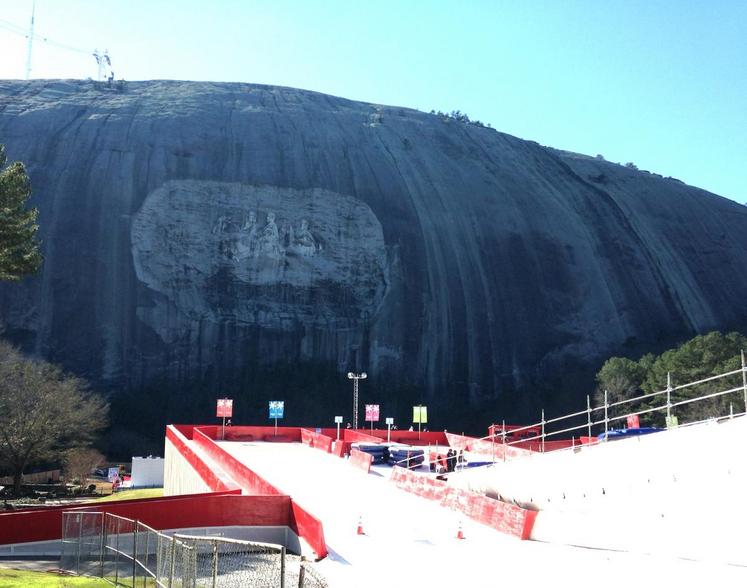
[(420, 414)]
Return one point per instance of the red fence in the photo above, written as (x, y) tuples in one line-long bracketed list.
[(504, 517), (170, 512), (316, 440), (309, 527), (358, 436), (410, 437), (486, 448), (361, 460), (250, 433)]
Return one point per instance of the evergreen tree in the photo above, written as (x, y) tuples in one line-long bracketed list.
[(697, 359), (19, 249)]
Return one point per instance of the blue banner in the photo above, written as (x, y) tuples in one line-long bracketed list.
[(277, 407)]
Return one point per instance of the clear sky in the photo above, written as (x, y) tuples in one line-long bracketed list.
[(662, 83)]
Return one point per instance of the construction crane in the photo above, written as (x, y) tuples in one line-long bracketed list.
[(31, 40), (103, 60)]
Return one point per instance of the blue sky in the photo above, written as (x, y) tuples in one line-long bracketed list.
[(660, 83)]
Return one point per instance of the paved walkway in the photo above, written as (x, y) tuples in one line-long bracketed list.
[(412, 541)]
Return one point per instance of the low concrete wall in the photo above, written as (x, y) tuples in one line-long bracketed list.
[(147, 472), (280, 535), (179, 476)]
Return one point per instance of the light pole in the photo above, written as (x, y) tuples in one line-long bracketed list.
[(355, 378)]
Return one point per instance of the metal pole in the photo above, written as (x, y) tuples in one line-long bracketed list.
[(215, 563), (282, 566), (116, 555), (543, 430), (172, 564), (492, 440), (389, 433), (223, 430), (503, 437), (669, 397), (606, 417), (355, 403), (31, 41), (744, 381), (103, 542), (80, 540), (276, 426), (145, 576), (134, 553), (159, 538), (588, 414), (338, 431)]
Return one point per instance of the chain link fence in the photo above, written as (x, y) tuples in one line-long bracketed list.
[(126, 552)]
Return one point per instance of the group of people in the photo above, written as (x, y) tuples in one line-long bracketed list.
[(453, 458)]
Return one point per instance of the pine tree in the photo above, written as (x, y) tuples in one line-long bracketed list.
[(19, 248)]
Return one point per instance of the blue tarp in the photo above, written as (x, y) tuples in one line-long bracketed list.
[(617, 434)]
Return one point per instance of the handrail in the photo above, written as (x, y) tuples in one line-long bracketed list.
[(541, 434), (590, 423)]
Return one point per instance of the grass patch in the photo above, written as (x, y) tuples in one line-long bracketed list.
[(14, 578), (132, 495)]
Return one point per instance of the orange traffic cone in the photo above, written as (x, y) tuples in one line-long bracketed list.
[(460, 533), (359, 530)]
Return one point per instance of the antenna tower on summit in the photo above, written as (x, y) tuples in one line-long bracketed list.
[(104, 64), (31, 41)]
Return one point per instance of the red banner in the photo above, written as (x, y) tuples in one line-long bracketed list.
[(372, 412), (634, 422), (225, 408)]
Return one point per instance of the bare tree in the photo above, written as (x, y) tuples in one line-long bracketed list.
[(80, 461), (43, 412)]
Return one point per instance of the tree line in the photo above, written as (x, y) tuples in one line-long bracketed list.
[(699, 358)]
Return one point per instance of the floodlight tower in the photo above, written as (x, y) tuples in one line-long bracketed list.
[(31, 41), (355, 378)]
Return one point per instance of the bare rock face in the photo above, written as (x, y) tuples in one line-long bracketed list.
[(224, 236)]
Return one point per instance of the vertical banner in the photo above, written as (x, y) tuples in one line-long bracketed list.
[(420, 415), (372, 412), (633, 422), (224, 408), (277, 408)]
